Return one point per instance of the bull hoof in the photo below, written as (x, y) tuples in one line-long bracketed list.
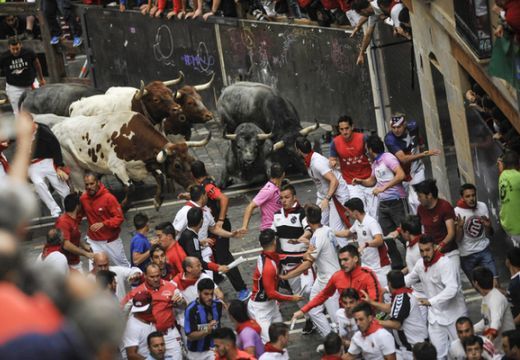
[(158, 202)]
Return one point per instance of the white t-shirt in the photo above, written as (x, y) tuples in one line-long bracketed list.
[(274, 356), (346, 326), (325, 257), (318, 168), (373, 347), (496, 314), (474, 239), (414, 328), (457, 352), (394, 14), (412, 256), (136, 333), (180, 223), (122, 275), (366, 231), (56, 261)]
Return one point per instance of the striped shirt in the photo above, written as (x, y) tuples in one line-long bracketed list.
[(197, 317), (290, 225)]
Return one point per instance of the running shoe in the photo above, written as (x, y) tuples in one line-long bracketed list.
[(244, 294)]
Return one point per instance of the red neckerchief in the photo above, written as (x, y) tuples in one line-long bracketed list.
[(331, 357), (295, 208), (307, 159), (182, 282), (463, 205), (4, 163), (372, 328), (190, 204), (271, 348), (48, 249), (403, 290), (273, 255), (436, 256), (415, 239), (249, 324)]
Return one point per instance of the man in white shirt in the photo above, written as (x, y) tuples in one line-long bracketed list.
[(473, 231), (495, 309), (139, 325), (372, 341), (275, 349), (322, 254), (445, 301), (124, 274), (369, 236), (349, 298), (407, 322), (369, 10), (464, 327), (180, 223), (331, 188), (51, 255)]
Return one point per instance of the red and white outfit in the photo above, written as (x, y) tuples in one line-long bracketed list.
[(374, 258), (103, 207), (52, 257), (354, 163), (136, 334), (188, 289), (263, 305), (123, 273), (69, 228), (162, 310), (317, 167), (180, 223), (4, 164), (273, 353), (326, 265), (496, 317), (347, 326), (373, 344), (441, 283)]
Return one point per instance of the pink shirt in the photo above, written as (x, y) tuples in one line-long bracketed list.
[(268, 200)]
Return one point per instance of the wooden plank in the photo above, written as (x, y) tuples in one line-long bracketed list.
[(408, 4), (19, 8), (479, 74)]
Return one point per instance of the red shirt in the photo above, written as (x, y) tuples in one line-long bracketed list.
[(162, 305), (434, 222), (512, 9), (175, 254), (360, 278), (69, 227), (352, 157), (265, 279), (103, 207)]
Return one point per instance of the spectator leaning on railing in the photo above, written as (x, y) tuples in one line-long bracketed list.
[(509, 12)]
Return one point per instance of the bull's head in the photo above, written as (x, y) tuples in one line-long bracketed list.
[(156, 101), (177, 160), (191, 102), (247, 143)]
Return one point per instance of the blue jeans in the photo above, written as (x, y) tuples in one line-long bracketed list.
[(483, 258)]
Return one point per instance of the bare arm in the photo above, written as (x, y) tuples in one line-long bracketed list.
[(406, 159), (224, 204), (131, 353), (139, 258), (367, 37), (69, 246), (247, 215), (368, 182), (39, 72), (299, 270), (450, 225), (22, 157)]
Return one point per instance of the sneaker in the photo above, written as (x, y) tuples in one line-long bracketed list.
[(309, 327), (55, 40), (244, 294), (77, 41)]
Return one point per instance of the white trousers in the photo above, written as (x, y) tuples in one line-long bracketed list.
[(205, 355), (172, 342), (114, 249), (441, 336), (297, 283), (265, 313), (369, 200), (413, 199), (317, 315), (44, 170), (14, 93)]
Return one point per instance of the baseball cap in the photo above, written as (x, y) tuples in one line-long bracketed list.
[(397, 120), (141, 302)]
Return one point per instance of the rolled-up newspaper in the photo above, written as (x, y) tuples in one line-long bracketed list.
[(235, 263), (293, 322)]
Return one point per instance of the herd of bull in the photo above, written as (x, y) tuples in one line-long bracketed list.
[(127, 132)]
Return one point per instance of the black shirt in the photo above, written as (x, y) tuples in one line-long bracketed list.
[(189, 240), (47, 146), (19, 70)]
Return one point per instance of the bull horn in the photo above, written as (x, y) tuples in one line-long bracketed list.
[(141, 92), (206, 85), (200, 142), (175, 81), (309, 129), (264, 136), (231, 137), (278, 145), (161, 157)]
